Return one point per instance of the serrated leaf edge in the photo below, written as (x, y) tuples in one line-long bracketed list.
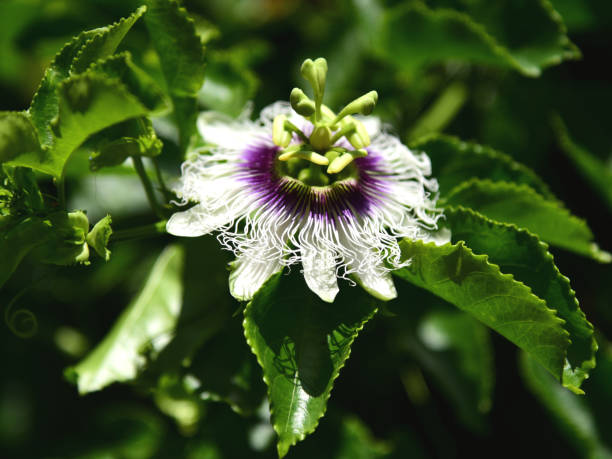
[(496, 269), (333, 378), (103, 33), (484, 150), (549, 258)]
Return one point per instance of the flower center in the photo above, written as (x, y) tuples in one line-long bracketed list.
[(321, 159)]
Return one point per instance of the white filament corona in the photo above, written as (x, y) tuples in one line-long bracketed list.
[(270, 221)]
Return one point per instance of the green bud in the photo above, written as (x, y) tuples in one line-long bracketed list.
[(338, 164), (280, 136), (362, 105), (359, 137), (320, 138), (301, 103)]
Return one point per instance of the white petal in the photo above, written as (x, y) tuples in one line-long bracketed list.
[(378, 283), (371, 123), (226, 132), (249, 274), (187, 223), (198, 221), (439, 237), (320, 272)]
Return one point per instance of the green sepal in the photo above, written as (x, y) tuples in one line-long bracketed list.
[(99, 235), (67, 244)]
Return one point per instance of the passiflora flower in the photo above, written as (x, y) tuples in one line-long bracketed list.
[(304, 185)]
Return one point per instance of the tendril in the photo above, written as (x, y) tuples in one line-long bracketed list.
[(21, 322)]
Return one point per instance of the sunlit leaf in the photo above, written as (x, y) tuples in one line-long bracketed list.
[(301, 343), (75, 57), (521, 205), (521, 254), (142, 330), (474, 285)]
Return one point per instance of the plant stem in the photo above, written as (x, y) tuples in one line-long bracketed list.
[(61, 191), (150, 192), (160, 179), (153, 229)]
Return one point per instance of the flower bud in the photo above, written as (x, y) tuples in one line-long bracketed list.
[(301, 103)]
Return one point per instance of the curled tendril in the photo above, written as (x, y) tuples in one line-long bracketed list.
[(22, 322)]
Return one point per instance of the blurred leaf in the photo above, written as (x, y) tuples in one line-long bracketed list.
[(568, 410), (228, 85), (181, 55), (593, 169), (144, 328), (75, 56), (413, 35), (521, 254), (18, 241), (226, 371), (521, 205), (455, 161), (19, 143), (301, 343), (99, 235), (457, 352), (20, 13), (357, 442), (113, 145), (470, 282)]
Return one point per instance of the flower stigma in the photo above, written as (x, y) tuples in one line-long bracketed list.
[(302, 184), (335, 140)]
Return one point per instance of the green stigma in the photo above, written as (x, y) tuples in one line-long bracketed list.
[(319, 148)]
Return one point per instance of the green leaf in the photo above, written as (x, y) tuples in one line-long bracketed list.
[(112, 146), (99, 235), (229, 85), (181, 55), (413, 35), (521, 205), (142, 330), (521, 254), (75, 57), (455, 161), (89, 103), (301, 343), (178, 45), (470, 282), (593, 169), (569, 411), (19, 143), (18, 242), (67, 243)]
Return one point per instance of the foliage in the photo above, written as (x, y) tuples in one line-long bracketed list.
[(93, 128)]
